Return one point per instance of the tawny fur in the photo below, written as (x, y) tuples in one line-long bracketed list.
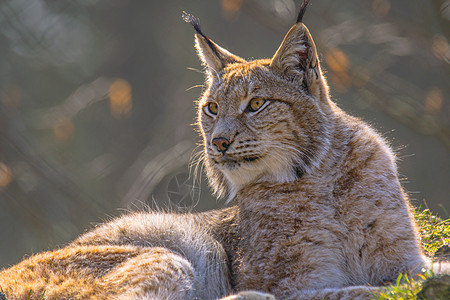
[(320, 212), (138, 256)]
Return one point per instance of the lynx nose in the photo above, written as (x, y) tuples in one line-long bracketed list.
[(221, 144)]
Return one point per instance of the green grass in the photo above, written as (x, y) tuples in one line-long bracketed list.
[(404, 288), (435, 233)]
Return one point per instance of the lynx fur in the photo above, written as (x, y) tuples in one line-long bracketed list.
[(319, 214)]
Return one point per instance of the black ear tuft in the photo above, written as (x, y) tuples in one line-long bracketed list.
[(196, 24), (302, 11), (188, 18)]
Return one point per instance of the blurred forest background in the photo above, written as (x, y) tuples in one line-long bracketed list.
[(96, 100)]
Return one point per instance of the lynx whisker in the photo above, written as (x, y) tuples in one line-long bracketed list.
[(196, 70), (320, 214), (195, 86), (303, 152), (292, 148)]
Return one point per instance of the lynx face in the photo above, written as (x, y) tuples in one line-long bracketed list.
[(252, 128), (262, 120)]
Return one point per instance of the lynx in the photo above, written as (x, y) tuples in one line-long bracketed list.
[(319, 210)]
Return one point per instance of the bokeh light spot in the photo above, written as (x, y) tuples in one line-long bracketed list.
[(231, 8), (336, 60), (338, 65), (5, 175), (440, 47), (120, 99), (63, 129), (433, 101)]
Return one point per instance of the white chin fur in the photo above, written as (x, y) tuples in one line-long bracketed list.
[(266, 169)]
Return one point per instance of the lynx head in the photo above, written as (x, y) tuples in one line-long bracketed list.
[(262, 120)]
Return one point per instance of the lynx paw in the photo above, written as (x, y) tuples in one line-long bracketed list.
[(250, 295)]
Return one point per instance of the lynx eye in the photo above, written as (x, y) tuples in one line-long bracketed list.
[(256, 104), (212, 109)]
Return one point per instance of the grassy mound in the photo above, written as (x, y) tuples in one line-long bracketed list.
[(435, 235)]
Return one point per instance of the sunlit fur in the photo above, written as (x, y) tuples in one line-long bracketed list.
[(275, 136), (320, 212), (138, 256)]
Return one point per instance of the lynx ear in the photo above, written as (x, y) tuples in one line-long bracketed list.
[(297, 57), (214, 57)]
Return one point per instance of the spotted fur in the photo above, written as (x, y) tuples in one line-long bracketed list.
[(319, 214), (321, 211)]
